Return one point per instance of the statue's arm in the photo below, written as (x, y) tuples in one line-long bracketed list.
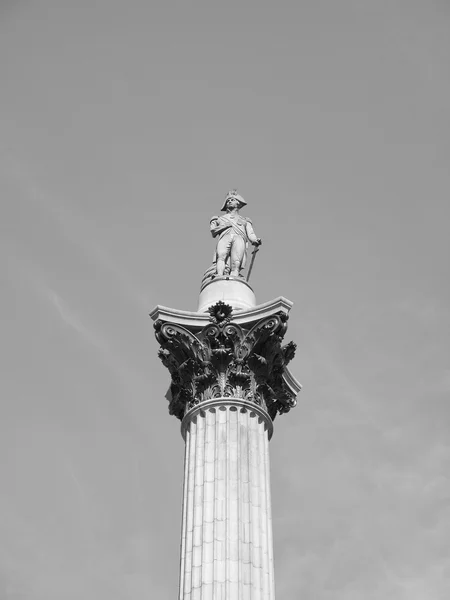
[(256, 241), (216, 226)]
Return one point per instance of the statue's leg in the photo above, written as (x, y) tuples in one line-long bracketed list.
[(237, 255), (223, 251)]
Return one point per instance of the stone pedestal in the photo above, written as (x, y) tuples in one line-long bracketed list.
[(229, 380), (234, 291)]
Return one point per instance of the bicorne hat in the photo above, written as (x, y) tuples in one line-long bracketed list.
[(233, 194)]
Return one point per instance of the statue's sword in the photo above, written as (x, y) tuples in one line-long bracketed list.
[(252, 261)]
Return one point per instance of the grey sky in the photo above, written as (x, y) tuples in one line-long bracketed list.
[(122, 126)]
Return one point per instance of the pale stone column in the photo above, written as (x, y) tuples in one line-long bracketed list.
[(226, 545), (229, 380)]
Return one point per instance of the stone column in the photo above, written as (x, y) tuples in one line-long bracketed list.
[(229, 381), (226, 546)]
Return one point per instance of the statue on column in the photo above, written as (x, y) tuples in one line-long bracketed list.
[(234, 232)]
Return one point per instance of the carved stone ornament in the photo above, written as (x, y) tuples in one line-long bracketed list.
[(226, 360)]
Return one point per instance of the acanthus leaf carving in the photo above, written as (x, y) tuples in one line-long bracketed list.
[(225, 360)]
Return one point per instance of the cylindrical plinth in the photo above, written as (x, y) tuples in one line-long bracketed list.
[(234, 291), (226, 543)]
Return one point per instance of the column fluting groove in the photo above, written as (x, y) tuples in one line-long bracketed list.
[(226, 528)]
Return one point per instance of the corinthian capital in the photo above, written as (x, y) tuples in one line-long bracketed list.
[(224, 359)]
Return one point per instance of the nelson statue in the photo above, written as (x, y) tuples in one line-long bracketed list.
[(234, 232)]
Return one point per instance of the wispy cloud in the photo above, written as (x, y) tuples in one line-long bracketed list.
[(425, 310), (87, 333), (74, 321), (73, 225)]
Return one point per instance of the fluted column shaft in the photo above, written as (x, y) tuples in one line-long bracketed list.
[(226, 543)]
